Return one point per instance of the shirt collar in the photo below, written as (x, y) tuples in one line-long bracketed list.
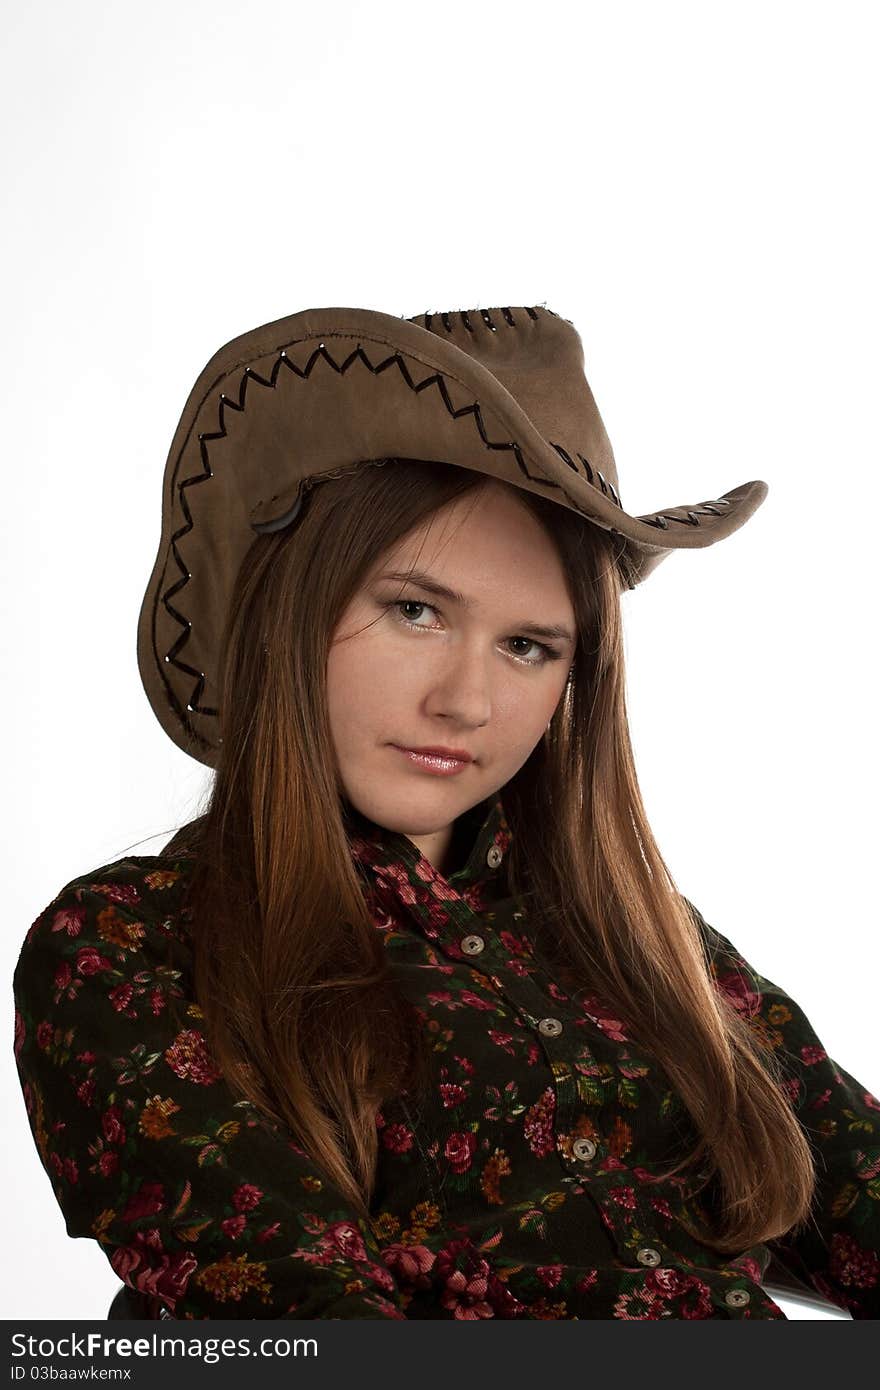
[(483, 828)]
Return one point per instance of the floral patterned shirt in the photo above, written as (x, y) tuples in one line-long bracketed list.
[(521, 1188)]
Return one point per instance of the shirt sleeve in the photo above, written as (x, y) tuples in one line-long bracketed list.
[(197, 1201), (838, 1252)]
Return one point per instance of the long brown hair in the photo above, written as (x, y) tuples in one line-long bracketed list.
[(291, 975)]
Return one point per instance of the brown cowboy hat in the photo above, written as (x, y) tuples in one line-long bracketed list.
[(501, 391)]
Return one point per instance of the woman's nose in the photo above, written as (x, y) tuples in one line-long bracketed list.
[(462, 691)]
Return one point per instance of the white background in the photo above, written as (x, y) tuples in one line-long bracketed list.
[(693, 185)]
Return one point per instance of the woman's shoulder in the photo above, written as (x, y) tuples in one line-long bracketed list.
[(130, 906)]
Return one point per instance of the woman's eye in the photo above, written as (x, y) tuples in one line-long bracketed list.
[(412, 603), (546, 653)]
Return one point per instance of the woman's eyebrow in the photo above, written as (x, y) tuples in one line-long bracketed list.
[(433, 586)]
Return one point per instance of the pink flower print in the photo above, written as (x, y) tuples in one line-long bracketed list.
[(437, 884), (69, 919), (233, 1226), (85, 1091), (623, 1196), (661, 1205), (395, 876), (596, 1011), (410, 1264), (476, 1001), (347, 1239), (740, 993), (137, 1265), (120, 997), (502, 839), (63, 976), (459, 1149), (464, 1293), (126, 893), (749, 1267), (437, 918), (397, 1138), (188, 1058), (452, 1094), (813, 1054), (475, 896), (149, 1200), (111, 1124), (538, 1124), (666, 1281), (517, 945), (89, 961), (246, 1197)]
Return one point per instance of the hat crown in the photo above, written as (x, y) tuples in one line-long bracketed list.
[(538, 356)]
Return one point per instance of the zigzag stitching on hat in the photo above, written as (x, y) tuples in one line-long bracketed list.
[(692, 517), (436, 379), (606, 486)]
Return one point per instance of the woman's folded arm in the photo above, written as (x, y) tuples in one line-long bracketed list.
[(838, 1251), (194, 1197)]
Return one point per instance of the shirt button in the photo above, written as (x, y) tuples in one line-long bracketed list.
[(649, 1256), (472, 945), (737, 1298), (494, 857), (584, 1149), (550, 1026)]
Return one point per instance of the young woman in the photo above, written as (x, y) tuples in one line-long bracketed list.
[(412, 1021)]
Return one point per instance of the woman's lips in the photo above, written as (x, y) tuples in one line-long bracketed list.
[(434, 763)]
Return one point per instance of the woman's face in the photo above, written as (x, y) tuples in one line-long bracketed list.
[(472, 675)]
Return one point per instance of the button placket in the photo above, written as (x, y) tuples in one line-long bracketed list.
[(528, 997), (630, 1220)]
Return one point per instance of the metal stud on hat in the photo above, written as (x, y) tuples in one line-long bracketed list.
[(316, 394)]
